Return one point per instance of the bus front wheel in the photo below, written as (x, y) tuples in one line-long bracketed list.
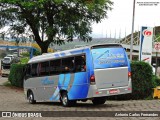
[(31, 98)]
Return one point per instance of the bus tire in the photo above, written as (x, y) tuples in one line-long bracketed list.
[(31, 98), (65, 101), (98, 101)]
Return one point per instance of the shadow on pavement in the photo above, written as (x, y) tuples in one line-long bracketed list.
[(81, 105)]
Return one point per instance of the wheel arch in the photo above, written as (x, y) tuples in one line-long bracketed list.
[(62, 91)]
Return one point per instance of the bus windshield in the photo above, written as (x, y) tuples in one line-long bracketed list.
[(109, 57)]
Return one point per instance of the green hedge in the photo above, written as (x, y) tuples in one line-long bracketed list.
[(16, 74), (156, 81), (143, 82)]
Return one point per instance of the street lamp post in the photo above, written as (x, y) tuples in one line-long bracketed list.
[(131, 47)]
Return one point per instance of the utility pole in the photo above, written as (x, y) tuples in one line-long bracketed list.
[(131, 47)]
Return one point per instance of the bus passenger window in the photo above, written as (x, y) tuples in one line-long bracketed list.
[(34, 70), (55, 67), (80, 63), (68, 65), (44, 68), (28, 70)]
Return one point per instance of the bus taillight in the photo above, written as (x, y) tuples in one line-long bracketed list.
[(92, 79), (129, 74)]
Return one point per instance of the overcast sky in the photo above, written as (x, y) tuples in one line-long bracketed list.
[(120, 18)]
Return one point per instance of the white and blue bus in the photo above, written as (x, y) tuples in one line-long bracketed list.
[(87, 73)]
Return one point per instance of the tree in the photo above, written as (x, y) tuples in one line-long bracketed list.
[(53, 20)]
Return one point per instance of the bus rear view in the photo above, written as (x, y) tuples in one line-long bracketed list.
[(112, 73)]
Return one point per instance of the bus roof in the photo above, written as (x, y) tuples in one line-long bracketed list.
[(60, 54)]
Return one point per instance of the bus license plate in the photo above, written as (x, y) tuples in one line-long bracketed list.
[(113, 91)]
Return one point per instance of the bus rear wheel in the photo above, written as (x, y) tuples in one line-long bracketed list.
[(98, 101), (65, 101), (31, 98)]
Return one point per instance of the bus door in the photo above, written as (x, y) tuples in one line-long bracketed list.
[(79, 82)]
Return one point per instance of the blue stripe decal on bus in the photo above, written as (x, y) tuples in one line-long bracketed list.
[(63, 83), (56, 55), (57, 98), (76, 52), (67, 81), (55, 94), (79, 89), (60, 81), (62, 54)]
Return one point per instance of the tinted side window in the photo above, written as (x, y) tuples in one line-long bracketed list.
[(55, 67), (34, 71), (68, 65), (80, 63), (28, 69), (44, 68)]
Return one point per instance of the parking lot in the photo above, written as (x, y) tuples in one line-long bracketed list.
[(13, 99)]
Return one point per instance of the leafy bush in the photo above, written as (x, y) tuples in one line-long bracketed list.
[(142, 82), (16, 75), (24, 60), (36, 52), (25, 54), (156, 81)]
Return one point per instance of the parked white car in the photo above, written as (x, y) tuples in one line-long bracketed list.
[(12, 56), (7, 60)]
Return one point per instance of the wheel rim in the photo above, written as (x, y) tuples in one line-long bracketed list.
[(64, 100), (30, 98)]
